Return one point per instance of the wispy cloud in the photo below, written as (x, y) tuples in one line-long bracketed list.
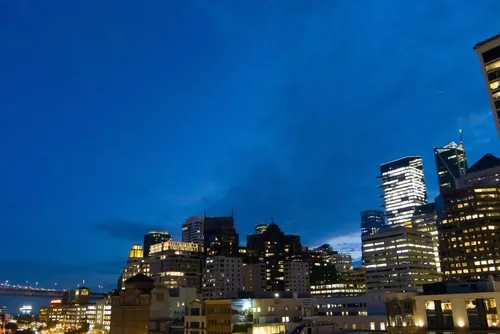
[(480, 125), (346, 243)]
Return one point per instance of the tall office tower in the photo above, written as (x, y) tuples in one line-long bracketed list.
[(451, 164), (297, 276), (220, 237), (176, 264), (469, 233), (192, 229), (222, 278), (425, 219), (489, 57), (153, 238), (371, 221), (135, 265), (399, 259), (403, 188), (274, 248), (486, 171)]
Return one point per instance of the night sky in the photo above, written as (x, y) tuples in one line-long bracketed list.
[(117, 117)]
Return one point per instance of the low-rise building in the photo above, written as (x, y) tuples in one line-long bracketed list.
[(102, 321), (70, 315), (195, 319), (447, 306)]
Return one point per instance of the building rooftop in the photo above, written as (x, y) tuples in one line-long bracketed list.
[(140, 278), (486, 162), (485, 41)]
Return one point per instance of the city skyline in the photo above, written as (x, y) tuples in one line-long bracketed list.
[(112, 151)]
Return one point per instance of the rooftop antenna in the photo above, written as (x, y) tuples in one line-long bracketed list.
[(232, 212), (205, 212), (463, 168)]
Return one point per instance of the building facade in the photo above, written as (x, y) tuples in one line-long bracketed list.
[(425, 219), (130, 306), (297, 276), (135, 265), (153, 238), (451, 165), (455, 307), (372, 221), (470, 233), (254, 277), (220, 237), (176, 264), (195, 319), (192, 229), (399, 259), (403, 186), (222, 277), (273, 248), (489, 58), (75, 314)]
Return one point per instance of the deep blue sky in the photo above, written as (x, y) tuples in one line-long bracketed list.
[(118, 116)]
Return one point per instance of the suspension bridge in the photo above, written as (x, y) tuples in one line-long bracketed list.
[(17, 290)]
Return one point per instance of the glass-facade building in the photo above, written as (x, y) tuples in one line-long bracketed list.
[(403, 186), (372, 221), (451, 164), (489, 57)]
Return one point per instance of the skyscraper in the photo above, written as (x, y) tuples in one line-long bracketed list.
[(403, 189), (469, 233), (220, 237), (192, 229), (153, 238), (451, 164), (371, 221), (274, 248), (489, 57)]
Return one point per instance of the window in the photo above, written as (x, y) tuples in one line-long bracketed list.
[(492, 66), (372, 325)]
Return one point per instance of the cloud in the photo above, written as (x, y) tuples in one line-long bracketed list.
[(125, 229), (347, 243)]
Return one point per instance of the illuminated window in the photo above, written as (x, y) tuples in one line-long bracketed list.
[(429, 305), (492, 66)]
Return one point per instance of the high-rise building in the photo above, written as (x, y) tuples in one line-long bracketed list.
[(254, 277), (489, 57), (425, 219), (470, 233), (192, 229), (403, 189), (222, 278), (451, 164), (486, 171), (297, 276), (135, 265), (274, 248), (153, 238), (399, 259), (176, 264), (372, 221), (220, 237)]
